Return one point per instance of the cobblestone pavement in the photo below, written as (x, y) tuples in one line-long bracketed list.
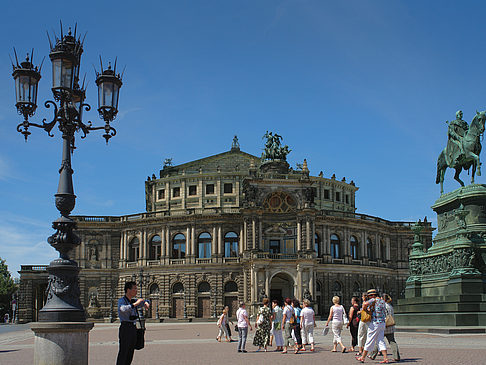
[(194, 343)]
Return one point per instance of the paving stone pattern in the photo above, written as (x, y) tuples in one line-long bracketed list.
[(194, 344)]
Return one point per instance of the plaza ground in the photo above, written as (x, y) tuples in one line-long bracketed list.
[(194, 343)]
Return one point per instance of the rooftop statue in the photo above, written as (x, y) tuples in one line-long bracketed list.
[(463, 148), (273, 149)]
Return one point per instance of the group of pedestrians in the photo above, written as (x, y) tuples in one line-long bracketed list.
[(289, 326), (292, 327)]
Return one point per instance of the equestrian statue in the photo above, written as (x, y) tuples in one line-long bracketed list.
[(463, 148)]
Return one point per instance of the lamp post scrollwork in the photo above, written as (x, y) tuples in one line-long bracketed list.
[(63, 293)]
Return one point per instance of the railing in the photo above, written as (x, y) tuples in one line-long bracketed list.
[(337, 213), (337, 261), (131, 265), (276, 256), (231, 259), (203, 261), (177, 261), (33, 267), (153, 263)]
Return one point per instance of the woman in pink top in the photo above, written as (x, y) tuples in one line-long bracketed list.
[(337, 313)]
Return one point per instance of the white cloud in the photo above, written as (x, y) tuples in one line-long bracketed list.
[(23, 241)]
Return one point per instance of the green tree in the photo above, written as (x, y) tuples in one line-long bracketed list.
[(7, 288)]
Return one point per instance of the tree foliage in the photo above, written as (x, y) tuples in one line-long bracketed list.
[(7, 287)]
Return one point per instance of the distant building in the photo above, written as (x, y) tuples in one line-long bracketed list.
[(229, 228)]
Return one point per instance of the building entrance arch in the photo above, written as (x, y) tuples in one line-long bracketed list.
[(281, 287)]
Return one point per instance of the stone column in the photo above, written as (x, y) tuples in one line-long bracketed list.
[(299, 235), (245, 234), (260, 235), (254, 234), (220, 242), (267, 284), (241, 242), (168, 244), (163, 247), (194, 251), (311, 283), (214, 246), (122, 250), (298, 294), (307, 234), (82, 262), (188, 242)]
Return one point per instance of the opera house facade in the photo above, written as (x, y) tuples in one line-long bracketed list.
[(234, 227)]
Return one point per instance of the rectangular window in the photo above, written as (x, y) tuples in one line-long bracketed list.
[(192, 189), (209, 189), (228, 188), (338, 196), (347, 199), (274, 246), (161, 194), (176, 192), (326, 194)]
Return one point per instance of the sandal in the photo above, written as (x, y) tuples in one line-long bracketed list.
[(312, 350), (360, 359), (283, 352), (344, 350)]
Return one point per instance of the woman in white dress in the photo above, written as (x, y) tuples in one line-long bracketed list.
[(277, 325)]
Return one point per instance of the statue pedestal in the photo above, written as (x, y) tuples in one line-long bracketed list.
[(446, 283), (61, 343)]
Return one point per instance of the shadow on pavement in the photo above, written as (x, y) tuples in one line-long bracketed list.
[(2, 351)]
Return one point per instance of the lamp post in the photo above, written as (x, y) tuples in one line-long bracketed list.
[(63, 305), (142, 280), (63, 298)]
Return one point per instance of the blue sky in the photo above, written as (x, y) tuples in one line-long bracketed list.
[(362, 89)]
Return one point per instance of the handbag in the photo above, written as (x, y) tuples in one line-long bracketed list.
[(345, 318), (366, 315), (325, 331), (389, 321), (236, 328), (140, 344), (260, 319)]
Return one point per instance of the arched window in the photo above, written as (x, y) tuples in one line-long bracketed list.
[(230, 287), (317, 245), (203, 287), (178, 288), (383, 250), (179, 246), (133, 248), (337, 289), (356, 289), (154, 289), (204, 245), (154, 247), (370, 249), (354, 247), (231, 244), (335, 246)]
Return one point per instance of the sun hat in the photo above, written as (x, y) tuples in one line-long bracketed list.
[(372, 292)]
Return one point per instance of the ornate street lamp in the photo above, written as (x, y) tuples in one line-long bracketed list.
[(63, 298)]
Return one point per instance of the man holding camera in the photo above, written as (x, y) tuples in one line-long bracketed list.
[(127, 313)]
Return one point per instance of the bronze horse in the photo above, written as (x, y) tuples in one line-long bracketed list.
[(471, 145)]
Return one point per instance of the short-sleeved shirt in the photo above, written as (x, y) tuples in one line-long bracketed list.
[(297, 311), (379, 312), (277, 322), (241, 315), (287, 313), (307, 316)]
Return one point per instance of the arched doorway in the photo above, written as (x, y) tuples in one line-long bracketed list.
[(281, 287)]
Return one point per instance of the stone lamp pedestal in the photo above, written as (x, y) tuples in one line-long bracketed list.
[(61, 343)]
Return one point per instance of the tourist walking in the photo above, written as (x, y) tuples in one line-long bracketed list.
[(223, 330), (337, 314), (354, 322), (228, 321), (287, 321), (127, 313), (243, 324), (296, 326), (307, 324), (263, 326), (376, 327), (362, 328), (389, 330), (277, 325)]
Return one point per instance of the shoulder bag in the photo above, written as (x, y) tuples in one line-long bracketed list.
[(345, 317), (389, 320), (366, 314), (140, 344)]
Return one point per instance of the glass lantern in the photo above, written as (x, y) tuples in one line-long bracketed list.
[(108, 91), (26, 78), (78, 95)]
